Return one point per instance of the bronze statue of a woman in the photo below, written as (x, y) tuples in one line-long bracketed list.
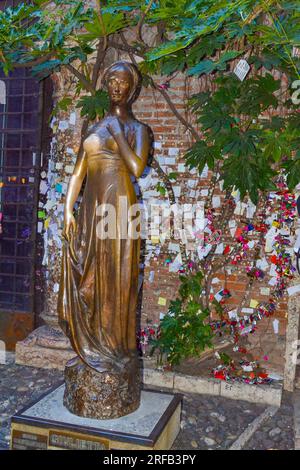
[(99, 281)]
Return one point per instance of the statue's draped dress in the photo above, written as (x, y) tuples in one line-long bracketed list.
[(99, 281)]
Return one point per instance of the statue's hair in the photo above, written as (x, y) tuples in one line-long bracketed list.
[(135, 75)]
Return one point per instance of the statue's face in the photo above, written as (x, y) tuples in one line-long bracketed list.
[(119, 85)]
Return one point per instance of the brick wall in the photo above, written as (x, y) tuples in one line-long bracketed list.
[(171, 141)]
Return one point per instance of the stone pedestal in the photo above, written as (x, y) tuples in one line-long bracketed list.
[(48, 425), (46, 347), (102, 395)]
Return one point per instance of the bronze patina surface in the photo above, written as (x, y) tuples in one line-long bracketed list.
[(99, 281), (105, 395)]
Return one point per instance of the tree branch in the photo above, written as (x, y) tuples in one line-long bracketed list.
[(125, 47), (99, 13), (174, 110), (33, 63), (140, 24), (82, 78)]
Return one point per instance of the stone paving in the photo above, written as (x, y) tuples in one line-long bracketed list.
[(278, 431), (208, 422), (20, 386), (213, 422), (216, 422)]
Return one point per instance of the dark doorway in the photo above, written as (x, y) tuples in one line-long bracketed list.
[(20, 159)]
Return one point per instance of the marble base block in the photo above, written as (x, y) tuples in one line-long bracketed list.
[(48, 425), (102, 395), (46, 347)]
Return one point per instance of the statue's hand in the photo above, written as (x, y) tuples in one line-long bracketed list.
[(114, 126), (69, 226)]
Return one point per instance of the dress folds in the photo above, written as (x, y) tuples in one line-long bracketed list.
[(99, 282)]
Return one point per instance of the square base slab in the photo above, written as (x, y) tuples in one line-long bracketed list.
[(47, 425)]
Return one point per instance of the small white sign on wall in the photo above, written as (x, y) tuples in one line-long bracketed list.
[(242, 69), (2, 92), (2, 352)]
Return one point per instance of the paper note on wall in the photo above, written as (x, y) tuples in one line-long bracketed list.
[(276, 326), (253, 303), (293, 290), (162, 301)]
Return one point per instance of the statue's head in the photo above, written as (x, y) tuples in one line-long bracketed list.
[(123, 82)]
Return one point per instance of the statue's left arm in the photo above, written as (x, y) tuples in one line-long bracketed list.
[(135, 159)]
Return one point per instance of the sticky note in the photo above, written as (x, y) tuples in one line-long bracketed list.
[(219, 249), (56, 287), (174, 247), (293, 289), (265, 291), (204, 173), (63, 125), (47, 222), (43, 187), (177, 191), (232, 314), (247, 310), (253, 303), (69, 168), (72, 119), (162, 301), (216, 202), (176, 265), (276, 326)]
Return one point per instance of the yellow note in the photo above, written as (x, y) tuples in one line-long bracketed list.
[(155, 239), (162, 301), (47, 222), (253, 303)]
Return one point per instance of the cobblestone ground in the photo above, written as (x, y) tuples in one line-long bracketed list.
[(20, 386), (216, 422), (278, 431), (213, 422), (207, 422)]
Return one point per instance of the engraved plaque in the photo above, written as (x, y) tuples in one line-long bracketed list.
[(74, 441), (22, 440)]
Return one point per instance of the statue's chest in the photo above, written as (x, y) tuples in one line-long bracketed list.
[(101, 139)]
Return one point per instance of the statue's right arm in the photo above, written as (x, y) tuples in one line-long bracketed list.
[(73, 193)]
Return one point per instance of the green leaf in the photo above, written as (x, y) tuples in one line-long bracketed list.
[(208, 66), (161, 189), (206, 47), (200, 155), (112, 22), (168, 48), (94, 106), (173, 175), (173, 63), (292, 167), (45, 69)]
